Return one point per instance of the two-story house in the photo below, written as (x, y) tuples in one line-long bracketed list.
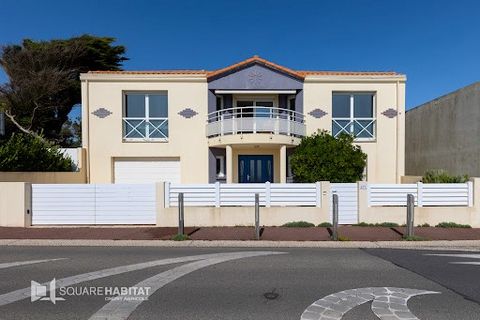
[(238, 124)]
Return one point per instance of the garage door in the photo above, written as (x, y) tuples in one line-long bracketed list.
[(147, 171)]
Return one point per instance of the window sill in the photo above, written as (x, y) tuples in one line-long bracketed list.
[(359, 140), (137, 140)]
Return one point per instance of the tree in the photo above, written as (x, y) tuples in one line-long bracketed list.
[(322, 157), (23, 152), (44, 80)]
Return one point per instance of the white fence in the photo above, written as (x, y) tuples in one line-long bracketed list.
[(426, 195), (347, 202), (93, 204), (241, 194)]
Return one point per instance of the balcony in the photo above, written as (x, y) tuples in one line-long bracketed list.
[(256, 119), (145, 129)]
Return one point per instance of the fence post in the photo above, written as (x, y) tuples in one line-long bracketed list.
[(167, 194), (318, 194), (470, 193), (257, 216), (410, 214), (217, 194), (267, 194), (335, 217), (181, 218), (419, 194)]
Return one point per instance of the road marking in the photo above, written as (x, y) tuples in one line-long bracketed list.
[(23, 263), (474, 263), (122, 308), (387, 303), (457, 255), (24, 293)]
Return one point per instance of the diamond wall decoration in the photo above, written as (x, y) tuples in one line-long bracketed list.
[(390, 113), (102, 113), (317, 113), (188, 113)]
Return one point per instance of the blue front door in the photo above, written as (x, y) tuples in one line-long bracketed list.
[(255, 169)]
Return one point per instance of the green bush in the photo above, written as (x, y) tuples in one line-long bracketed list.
[(425, 225), (298, 224), (180, 237), (383, 224), (442, 176), (321, 157), (27, 153), (452, 225), (413, 238), (325, 224)]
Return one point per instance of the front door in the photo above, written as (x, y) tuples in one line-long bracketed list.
[(255, 168)]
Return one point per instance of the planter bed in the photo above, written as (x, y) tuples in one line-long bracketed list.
[(295, 234)]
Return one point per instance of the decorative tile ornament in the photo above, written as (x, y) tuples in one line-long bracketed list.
[(188, 113), (255, 77), (102, 113), (390, 113), (317, 113)]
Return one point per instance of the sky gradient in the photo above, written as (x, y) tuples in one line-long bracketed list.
[(435, 43)]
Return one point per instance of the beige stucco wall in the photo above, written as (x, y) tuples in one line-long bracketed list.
[(386, 153), (187, 140), (15, 204)]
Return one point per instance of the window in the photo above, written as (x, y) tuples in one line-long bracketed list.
[(220, 166), (354, 113), (219, 103), (145, 116)]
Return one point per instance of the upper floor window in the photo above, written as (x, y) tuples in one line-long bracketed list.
[(354, 113), (145, 116)]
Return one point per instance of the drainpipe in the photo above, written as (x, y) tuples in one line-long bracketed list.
[(396, 131), (87, 128)]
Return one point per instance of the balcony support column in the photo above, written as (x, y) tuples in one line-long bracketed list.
[(229, 160), (283, 164)]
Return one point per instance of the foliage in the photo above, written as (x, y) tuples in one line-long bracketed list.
[(413, 238), (382, 224), (452, 225), (322, 157), (325, 224), (71, 133), (44, 80), (180, 237), (442, 176), (343, 238), (298, 224), (22, 152), (425, 225)]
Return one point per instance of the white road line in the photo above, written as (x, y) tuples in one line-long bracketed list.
[(122, 308), (23, 263), (474, 263), (387, 303), (455, 255), (24, 293)]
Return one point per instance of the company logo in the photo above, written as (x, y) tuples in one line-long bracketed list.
[(39, 292)]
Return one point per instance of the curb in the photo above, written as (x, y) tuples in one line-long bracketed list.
[(464, 245)]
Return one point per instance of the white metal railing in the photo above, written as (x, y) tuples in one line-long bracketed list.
[(426, 194), (145, 128), (361, 128), (243, 194), (256, 119)]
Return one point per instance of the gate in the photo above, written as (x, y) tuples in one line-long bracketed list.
[(347, 202)]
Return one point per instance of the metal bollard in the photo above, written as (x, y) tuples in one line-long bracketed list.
[(410, 214), (257, 216), (335, 217), (181, 219)]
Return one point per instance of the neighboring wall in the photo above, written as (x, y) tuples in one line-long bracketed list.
[(385, 162), (444, 134)]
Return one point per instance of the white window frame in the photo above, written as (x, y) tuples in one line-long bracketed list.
[(150, 127), (222, 174), (352, 119)]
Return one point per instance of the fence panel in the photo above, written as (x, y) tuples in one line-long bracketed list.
[(391, 194), (347, 202), (442, 194), (202, 195), (292, 194)]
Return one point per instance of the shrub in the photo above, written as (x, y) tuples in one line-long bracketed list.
[(298, 224), (325, 224), (321, 157), (342, 238), (425, 225), (442, 176), (382, 224), (413, 238), (180, 237), (452, 225), (27, 153)]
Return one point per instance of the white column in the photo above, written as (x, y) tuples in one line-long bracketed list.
[(283, 164), (229, 161)]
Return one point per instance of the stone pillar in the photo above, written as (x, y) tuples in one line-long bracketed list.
[(229, 160), (283, 164)]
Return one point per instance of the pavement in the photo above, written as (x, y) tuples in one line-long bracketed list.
[(238, 283)]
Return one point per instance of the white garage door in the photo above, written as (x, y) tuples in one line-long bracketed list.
[(147, 171)]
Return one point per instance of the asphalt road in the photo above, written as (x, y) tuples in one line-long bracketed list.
[(223, 283)]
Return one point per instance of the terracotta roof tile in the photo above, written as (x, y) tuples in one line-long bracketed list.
[(152, 72)]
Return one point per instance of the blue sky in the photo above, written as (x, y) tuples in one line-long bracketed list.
[(436, 43)]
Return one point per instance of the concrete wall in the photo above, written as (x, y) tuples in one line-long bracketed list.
[(15, 204), (444, 134)]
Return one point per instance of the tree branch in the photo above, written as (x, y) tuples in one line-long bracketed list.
[(19, 126)]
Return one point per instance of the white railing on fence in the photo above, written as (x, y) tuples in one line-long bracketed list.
[(426, 194), (242, 194)]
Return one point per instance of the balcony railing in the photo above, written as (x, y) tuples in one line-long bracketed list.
[(360, 128), (145, 129), (255, 119)]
